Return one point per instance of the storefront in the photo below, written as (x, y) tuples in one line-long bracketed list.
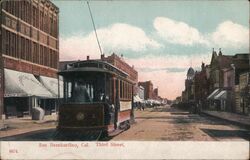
[(23, 91), (222, 97)]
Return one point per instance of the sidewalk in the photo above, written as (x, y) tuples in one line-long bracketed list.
[(233, 118), (16, 126)]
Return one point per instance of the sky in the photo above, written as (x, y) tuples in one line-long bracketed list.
[(161, 39)]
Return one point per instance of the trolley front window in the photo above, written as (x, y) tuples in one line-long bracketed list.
[(86, 89)]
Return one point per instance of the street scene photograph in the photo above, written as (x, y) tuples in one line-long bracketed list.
[(124, 70)]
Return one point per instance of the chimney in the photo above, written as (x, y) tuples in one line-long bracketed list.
[(87, 58), (102, 56), (202, 66), (220, 53), (214, 52)]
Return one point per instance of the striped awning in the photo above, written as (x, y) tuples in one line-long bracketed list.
[(213, 94), (52, 85), (20, 84), (221, 95)]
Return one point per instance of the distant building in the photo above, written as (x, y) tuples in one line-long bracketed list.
[(223, 85), (156, 95), (121, 64), (178, 100), (148, 89), (244, 90), (141, 92), (201, 86), (29, 56), (188, 93), (225, 70)]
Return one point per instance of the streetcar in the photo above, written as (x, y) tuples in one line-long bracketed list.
[(97, 100)]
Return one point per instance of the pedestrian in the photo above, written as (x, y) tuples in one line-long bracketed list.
[(142, 107)]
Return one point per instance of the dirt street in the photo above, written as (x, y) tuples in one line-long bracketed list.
[(169, 124), (153, 124)]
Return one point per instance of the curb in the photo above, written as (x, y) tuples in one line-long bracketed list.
[(247, 126)]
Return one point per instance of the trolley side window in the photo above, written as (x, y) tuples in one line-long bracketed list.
[(125, 90)]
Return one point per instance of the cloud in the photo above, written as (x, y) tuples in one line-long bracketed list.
[(227, 34), (230, 35), (123, 36), (168, 73), (177, 32), (116, 38), (176, 70), (172, 63)]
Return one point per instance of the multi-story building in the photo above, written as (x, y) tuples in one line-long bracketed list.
[(201, 86), (148, 89), (141, 92), (224, 79), (188, 93), (244, 89), (121, 64), (155, 93), (29, 55)]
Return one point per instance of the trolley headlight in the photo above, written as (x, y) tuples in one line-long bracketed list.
[(80, 116)]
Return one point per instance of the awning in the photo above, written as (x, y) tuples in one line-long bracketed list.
[(52, 85), (215, 92), (20, 84), (221, 95)]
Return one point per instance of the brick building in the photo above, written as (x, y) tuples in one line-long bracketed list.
[(121, 64), (224, 80), (29, 55), (156, 95), (148, 89), (201, 85)]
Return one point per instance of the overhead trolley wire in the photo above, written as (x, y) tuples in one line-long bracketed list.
[(94, 28)]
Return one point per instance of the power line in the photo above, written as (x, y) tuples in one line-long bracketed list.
[(94, 28)]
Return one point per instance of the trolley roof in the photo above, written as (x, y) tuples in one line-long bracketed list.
[(93, 66)]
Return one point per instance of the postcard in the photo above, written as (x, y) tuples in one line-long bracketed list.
[(124, 79)]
